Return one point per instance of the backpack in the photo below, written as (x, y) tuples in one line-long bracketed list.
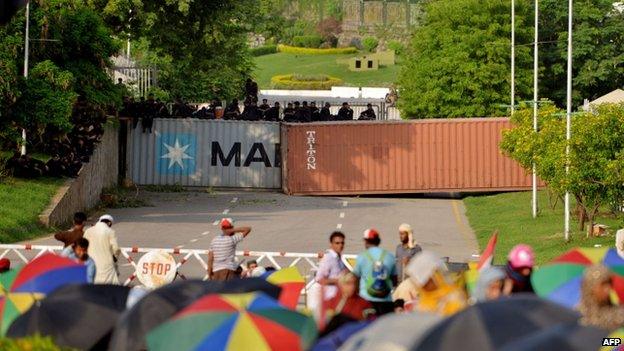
[(378, 283)]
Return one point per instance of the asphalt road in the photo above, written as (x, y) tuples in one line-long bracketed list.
[(290, 224)]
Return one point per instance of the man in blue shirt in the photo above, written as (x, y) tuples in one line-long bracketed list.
[(78, 251), (376, 269)]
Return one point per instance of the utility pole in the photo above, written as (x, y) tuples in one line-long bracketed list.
[(26, 49), (568, 121), (535, 99), (513, 56)]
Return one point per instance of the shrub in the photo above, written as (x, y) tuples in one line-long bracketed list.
[(307, 41), (304, 82), (370, 44), (329, 29), (30, 343), (311, 51), (397, 46), (263, 50)]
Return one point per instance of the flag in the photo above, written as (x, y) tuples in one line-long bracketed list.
[(488, 255)]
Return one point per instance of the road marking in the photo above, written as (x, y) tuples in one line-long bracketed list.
[(342, 215), (226, 211), (460, 223), (215, 222), (345, 203), (179, 246), (126, 264), (205, 233), (234, 200), (193, 240), (339, 226)]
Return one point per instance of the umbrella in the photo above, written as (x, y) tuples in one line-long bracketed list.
[(491, 325), (560, 280), (159, 305), (76, 316), (335, 339), (392, 332), (21, 287), (246, 321), (569, 337), (291, 282)]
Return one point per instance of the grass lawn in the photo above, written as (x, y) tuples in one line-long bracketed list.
[(510, 214), (268, 66), (21, 202)]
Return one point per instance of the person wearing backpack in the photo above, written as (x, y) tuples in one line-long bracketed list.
[(377, 272)]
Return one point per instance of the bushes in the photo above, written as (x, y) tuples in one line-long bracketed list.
[(263, 50), (370, 44), (397, 46), (311, 51), (304, 82), (307, 41), (30, 343)]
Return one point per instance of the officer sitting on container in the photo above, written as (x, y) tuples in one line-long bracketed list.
[(368, 114), (345, 113)]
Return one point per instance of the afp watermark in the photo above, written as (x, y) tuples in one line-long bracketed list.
[(611, 342)]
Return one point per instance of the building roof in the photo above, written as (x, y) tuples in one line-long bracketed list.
[(613, 97)]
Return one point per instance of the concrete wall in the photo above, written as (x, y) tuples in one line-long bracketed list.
[(83, 192)]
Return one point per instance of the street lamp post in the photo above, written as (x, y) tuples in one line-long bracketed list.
[(568, 120), (535, 97), (513, 55), (26, 48)]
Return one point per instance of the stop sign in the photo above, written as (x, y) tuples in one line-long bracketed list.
[(156, 268)]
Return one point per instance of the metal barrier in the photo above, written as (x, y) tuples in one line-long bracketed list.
[(306, 262)]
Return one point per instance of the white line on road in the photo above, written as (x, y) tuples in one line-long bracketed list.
[(345, 203), (234, 200), (215, 222), (126, 264), (193, 240), (339, 226), (179, 246), (342, 215), (205, 233), (226, 211)]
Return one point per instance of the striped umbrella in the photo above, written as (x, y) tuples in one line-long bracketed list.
[(21, 287), (291, 282), (560, 280), (248, 321)]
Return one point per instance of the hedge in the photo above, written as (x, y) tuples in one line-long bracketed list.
[(37, 343), (307, 41), (301, 82), (310, 51), (263, 50)]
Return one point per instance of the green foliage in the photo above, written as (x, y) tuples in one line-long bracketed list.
[(312, 51), (457, 64), (370, 44), (307, 41), (263, 50), (397, 46), (334, 9), (596, 162), (304, 82), (37, 343), (329, 28), (297, 28)]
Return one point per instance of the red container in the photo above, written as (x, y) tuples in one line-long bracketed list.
[(438, 155)]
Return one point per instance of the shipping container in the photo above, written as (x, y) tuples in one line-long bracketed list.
[(194, 152), (438, 155)]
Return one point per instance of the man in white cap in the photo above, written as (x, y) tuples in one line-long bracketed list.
[(377, 271), (222, 255), (103, 249), (405, 250)]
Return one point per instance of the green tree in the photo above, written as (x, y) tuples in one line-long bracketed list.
[(458, 61), (596, 162)]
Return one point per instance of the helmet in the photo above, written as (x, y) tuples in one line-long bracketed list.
[(521, 256)]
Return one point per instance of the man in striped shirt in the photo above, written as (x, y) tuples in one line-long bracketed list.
[(222, 256)]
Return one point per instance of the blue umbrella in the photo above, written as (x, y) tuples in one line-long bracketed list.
[(335, 339)]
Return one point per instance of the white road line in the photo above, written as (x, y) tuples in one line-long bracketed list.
[(205, 233), (126, 264), (345, 203), (215, 222), (193, 240), (339, 226), (179, 246), (226, 211), (342, 215), (234, 200)]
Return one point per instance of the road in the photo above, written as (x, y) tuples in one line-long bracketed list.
[(283, 223)]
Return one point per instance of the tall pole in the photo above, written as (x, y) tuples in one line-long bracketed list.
[(535, 97), (513, 55), (568, 120), (26, 49)]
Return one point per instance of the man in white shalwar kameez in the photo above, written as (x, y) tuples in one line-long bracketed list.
[(103, 249)]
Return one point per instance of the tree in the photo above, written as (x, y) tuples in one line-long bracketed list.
[(596, 162), (458, 61)]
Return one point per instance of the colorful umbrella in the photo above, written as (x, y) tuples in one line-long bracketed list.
[(248, 321), (291, 282), (560, 280), (21, 287)]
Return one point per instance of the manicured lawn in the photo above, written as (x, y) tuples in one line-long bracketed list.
[(268, 66), (510, 214), (21, 202)]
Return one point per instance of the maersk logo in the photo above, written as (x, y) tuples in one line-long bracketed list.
[(176, 154)]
